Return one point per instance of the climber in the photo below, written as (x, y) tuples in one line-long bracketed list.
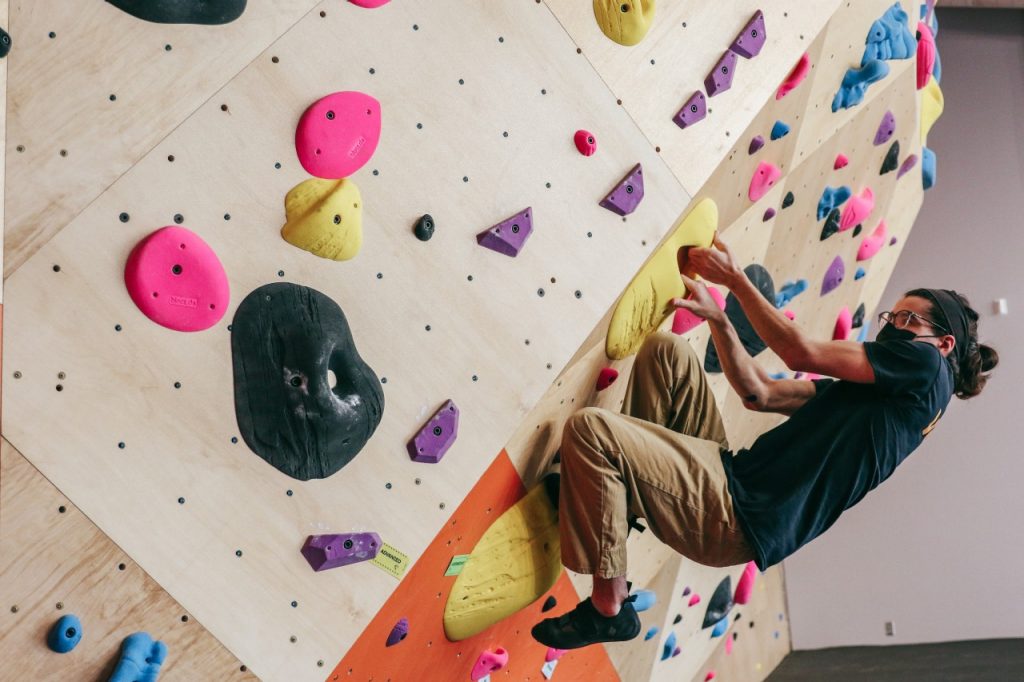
[(666, 457)]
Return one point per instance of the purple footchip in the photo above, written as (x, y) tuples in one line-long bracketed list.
[(695, 109), (436, 436), (399, 632), (341, 549), (885, 129), (769, 214), (756, 144), (508, 236), (627, 194), (720, 78), (907, 165), (751, 39), (833, 276)]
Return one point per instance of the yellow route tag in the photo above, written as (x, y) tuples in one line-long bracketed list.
[(391, 560)]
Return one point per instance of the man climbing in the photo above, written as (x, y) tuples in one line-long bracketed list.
[(666, 458)]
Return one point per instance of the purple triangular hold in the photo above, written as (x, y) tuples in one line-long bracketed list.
[(833, 276), (769, 214), (751, 39), (720, 78), (330, 551), (695, 109), (907, 165), (508, 236), (756, 144), (627, 194), (398, 632), (436, 436), (885, 129)]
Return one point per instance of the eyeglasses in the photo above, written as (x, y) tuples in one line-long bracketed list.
[(901, 318)]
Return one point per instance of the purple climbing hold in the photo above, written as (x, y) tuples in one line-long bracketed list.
[(906, 166), (686, 591), (340, 549), (627, 194), (751, 39), (893, 241), (756, 144), (885, 129), (399, 632), (695, 109), (436, 436), (769, 214), (720, 78), (508, 236), (833, 276)]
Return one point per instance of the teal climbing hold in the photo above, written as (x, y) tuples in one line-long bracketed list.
[(855, 84), (669, 646), (720, 628), (927, 167), (65, 634), (652, 632), (889, 37), (860, 273), (140, 660), (780, 129), (832, 198)]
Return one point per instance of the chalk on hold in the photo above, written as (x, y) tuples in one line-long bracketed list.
[(886, 128), (489, 662), (855, 84), (605, 378), (768, 214), (831, 225), (756, 143), (337, 134), (745, 585), (720, 603), (844, 323), (432, 441), (626, 195), (65, 634), (720, 78), (889, 37), (780, 129), (858, 316), (859, 274), (764, 178), (399, 631), (841, 162), (325, 218), (720, 628), (788, 200), (624, 21), (795, 77), (925, 54), (751, 39), (549, 603), (369, 4), (654, 629), (832, 198), (684, 320), (586, 143), (789, 291), (695, 109), (424, 228), (645, 599), (510, 235), (176, 280), (669, 646), (892, 159), (906, 166), (927, 168), (141, 658), (209, 12), (833, 276), (873, 243), (857, 209), (332, 550)]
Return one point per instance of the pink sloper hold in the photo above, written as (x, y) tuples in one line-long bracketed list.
[(489, 662), (338, 134), (745, 585), (872, 244), (925, 54), (857, 209), (694, 600), (586, 143), (795, 77), (764, 177), (844, 323), (369, 4), (684, 320), (841, 161), (176, 280)]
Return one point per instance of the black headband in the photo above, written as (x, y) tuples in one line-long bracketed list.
[(956, 320)]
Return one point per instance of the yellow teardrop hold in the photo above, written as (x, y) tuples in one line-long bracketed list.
[(624, 21), (325, 217)]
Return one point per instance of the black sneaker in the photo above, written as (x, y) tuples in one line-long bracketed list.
[(584, 625)]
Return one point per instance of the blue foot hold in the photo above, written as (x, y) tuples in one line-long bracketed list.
[(65, 634), (780, 129), (860, 273), (652, 632), (789, 291), (832, 198), (927, 167), (645, 599), (668, 647), (856, 82), (720, 628), (141, 658)]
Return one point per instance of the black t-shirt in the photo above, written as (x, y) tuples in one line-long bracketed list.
[(796, 479)]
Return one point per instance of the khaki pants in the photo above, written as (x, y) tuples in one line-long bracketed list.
[(659, 460)]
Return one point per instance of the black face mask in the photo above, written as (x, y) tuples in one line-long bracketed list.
[(891, 333)]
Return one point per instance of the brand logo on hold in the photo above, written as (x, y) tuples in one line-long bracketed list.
[(183, 301), (356, 146)]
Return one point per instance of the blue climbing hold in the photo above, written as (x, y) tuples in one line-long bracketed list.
[(927, 167), (652, 632), (789, 291), (65, 634), (645, 599), (889, 37), (720, 628), (778, 375), (669, 646), (937, 69), (863, 335), (860, 273), (140, 660), (780, 129), (856, 82), (832, 198)]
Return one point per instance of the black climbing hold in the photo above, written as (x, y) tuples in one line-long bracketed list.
[(858, 316), (677, 619), (857, 229), (748, 336), (284, 332), (5, 43), (831, 224), (549, 603), (892, 159), (788, 200), (183, 11), (424, 228), (720, 603)]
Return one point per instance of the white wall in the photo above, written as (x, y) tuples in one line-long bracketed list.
[(939, 547)]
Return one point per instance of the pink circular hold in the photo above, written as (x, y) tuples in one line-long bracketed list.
[(369, 4), (176, 280), (586, 143), (338, 134)]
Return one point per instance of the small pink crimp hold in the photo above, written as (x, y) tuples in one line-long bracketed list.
[(841, 161), (606, 377), (764, 178), (695, 599), (795, 77), (745, 586), (585, 141), (489, 662)]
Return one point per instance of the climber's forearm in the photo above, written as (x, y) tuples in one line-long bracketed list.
[(774, 328), (745, 376)]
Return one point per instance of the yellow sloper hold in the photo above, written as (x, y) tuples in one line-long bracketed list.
[(325, 218), (643, 306), (932, 104), (516, 561), (624, 21)]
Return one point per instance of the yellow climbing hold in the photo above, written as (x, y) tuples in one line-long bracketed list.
[(325, 218), (624, 21), (644, 304), (932, 103), (517, 560)]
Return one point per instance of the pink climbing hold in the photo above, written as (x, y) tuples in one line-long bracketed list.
[(872, 244), (745, 585), (695, 599), (728, 645), (553, 654), (925, 54), (763, 180), (684, 320), (606, 377), (844, 323), (586, 143), (489, 662), (789, 313), (176, 280), (710, 676), (369, 4), (841, 161), (857, 209), (795, 77), (338, 134)]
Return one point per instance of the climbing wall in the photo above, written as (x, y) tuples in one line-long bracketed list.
[(194, 126)]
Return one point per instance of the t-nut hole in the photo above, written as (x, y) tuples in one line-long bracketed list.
[(624, 8), (317, 152), (337, 219), (330, 115), (155, 294), (348, 544), (181, 246), (629, 189), (176, 269), (332, 379), (296, 381), (437, 430), (515, 229), (70, 633)]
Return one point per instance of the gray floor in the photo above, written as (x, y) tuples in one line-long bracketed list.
[(987, 660)]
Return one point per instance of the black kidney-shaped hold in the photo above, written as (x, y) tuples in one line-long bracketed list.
[(284, 339), (5, 43), (183, 11), (748, 337), (424, 228), (720, 603)]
